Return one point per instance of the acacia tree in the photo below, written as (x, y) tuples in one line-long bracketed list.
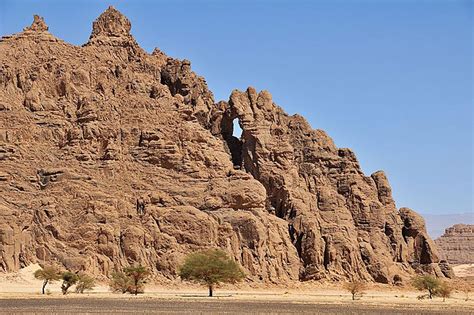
[(138, 276), (427, 282), (47, 274), (84, 283), (69, 279), (210, 267), (356, 288)]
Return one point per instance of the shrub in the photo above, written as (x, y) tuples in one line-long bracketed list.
[(466, 288), (356, 288), (397, 280), (120, 282), (210, 267), (138, 276), (429, 283), (130, 280), (69, 279), (47, 274), (444, 290), (84, 283), (422, 296)]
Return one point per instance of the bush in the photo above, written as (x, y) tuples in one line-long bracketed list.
[(130, 280), (84, 283), (138, 276), (444, 290), (356, 288), (397, 280), (47, 274), (69, 279), (466, 288), (429, 283), (211, 267), (120, 282)]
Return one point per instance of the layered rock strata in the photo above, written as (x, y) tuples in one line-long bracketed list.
[(456, 245)]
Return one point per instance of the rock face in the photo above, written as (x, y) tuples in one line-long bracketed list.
[(456, 245), (110, 156)]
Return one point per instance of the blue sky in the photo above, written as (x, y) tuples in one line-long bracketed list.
[(390, 79)]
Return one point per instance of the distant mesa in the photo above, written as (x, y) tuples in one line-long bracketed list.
[(456, 245)]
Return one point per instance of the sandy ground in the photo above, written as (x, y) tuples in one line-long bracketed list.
[(20, 293)]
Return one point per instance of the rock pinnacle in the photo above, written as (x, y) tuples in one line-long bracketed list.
[(38, 25), (111, 23)]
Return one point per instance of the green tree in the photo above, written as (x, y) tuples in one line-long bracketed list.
[(120, 282), (356, 288), (138, 276), (428, 283), (47, 274), (210, 267), (84, 283), (69, 279)]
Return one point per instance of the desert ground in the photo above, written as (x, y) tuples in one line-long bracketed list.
[(20, 294)]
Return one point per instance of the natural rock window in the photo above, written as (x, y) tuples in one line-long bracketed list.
[(232, 133), (237, 131)]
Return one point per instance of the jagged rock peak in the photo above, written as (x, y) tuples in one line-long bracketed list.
[(111, 23), (38, 25)]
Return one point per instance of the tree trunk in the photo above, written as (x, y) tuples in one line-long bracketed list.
[(431, 294), (136, 287), (210, 290), (45, 282), (353, 296), (64, 288)]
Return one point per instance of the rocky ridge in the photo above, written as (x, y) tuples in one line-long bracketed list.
[(456, 245), (110, 156)]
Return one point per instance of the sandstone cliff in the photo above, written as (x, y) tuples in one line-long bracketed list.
[(110, 155), (456, 245)]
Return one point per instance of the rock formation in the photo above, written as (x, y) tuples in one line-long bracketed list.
[(110, 156), (456, 245)]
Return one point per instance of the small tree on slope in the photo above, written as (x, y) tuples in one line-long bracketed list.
[(210, 267)]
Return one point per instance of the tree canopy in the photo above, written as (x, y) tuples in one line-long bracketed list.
[(427, 282), (211, 267), (47, 274), (138, 276), (84, 283), (131, 279), (120, 282), (356, 288), (69, 279)]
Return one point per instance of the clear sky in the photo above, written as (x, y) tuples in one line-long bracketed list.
[(390, 79)]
